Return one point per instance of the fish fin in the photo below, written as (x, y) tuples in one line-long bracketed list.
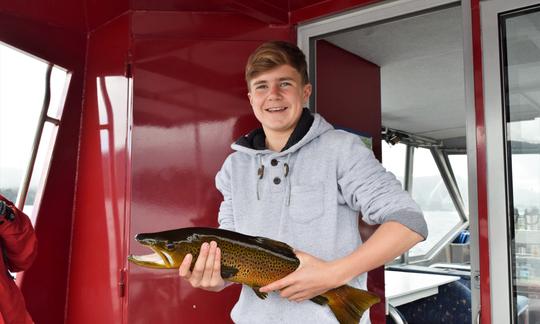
[(260, 294), (349, 303), (276, 246), (228, 272), (321, 300)]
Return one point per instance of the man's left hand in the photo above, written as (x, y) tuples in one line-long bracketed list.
[(312, 278)]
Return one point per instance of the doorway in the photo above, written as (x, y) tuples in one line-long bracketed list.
[(418, 52)]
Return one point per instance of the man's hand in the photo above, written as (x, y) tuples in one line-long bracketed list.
[(206, 273), (312, 278)]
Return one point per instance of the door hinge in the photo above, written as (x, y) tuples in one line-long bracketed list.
[(129, 72), (122, 283), (476, 279)]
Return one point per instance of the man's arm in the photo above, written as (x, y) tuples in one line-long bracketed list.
[(17, 238), (315, 277)]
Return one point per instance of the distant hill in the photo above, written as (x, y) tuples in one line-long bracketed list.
[(10, 177), (11, 194), (10, 180)]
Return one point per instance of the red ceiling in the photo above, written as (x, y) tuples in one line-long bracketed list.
[(86, 15)]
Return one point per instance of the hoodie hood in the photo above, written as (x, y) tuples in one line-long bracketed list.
[(309, 127)]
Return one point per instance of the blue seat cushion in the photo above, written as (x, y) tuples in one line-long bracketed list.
[(451, 305)]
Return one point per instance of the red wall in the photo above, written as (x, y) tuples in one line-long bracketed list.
[(304, 10), (349, 91), (97, 250), (349, 95)]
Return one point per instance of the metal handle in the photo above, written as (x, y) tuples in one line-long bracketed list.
[(395, 315)]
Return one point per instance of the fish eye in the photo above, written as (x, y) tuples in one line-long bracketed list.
[(169, 246)]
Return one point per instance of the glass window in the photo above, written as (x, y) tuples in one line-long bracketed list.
[(22, 90), (429, 191), (393, 159), (520, 33), (458, 163)]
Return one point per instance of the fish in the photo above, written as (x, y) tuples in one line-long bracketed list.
[(250, 260)]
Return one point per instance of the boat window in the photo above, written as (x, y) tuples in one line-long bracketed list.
[(429, 191), (26, 134), (458, 162), (520, 35), (394, 159)]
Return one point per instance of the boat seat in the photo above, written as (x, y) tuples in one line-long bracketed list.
[(451, 305)]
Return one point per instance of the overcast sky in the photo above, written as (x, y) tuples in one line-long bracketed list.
[(22, 87)]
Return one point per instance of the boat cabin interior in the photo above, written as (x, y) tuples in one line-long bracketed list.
[(115, 117)]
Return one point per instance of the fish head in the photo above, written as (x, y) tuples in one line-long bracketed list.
[(169, 248)]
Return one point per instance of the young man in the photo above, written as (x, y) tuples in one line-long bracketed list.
[(300, 181), (18, 246)]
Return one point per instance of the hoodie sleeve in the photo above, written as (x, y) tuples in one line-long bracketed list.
[(367, 187), (17, 239), (223, 184)]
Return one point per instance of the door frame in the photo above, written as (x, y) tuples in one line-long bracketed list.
[(501, 285), (308, 33)]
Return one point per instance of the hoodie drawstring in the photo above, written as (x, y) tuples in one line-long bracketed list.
[(260, 175), (286, 171)]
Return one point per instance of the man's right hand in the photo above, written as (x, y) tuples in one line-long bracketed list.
[(206, 273)]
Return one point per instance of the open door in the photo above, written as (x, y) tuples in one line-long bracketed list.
[(511, 60), (402, 68)]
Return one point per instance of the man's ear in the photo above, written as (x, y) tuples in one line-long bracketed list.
[(249, 97), (307, 92)]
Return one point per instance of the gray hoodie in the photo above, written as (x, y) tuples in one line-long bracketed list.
[(309, 196)]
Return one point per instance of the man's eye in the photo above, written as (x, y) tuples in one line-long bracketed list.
[(284, 84), (261, 87)]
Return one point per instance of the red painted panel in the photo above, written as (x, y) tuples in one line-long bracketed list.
[(50, 43), (44, 284), (203, 27), (266, 8), (99, 12), (303, 10), (349, 95), (97, 250), (268, 12), (179, 5), (349, 91), (190, 104), (481, 166), (66, 14)]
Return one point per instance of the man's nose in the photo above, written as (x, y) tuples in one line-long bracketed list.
[(275, 92)]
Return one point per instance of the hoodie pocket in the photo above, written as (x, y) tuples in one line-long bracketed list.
[(307, 203)]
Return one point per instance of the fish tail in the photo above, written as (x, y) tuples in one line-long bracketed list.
[(349, 303)]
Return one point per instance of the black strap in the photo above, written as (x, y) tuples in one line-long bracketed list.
[(8, 214)]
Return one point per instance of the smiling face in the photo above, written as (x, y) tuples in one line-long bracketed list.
[(277, 97)]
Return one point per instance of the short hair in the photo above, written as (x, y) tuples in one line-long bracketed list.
[(272, 54)]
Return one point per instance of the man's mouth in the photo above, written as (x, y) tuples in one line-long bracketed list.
[(275, 109)]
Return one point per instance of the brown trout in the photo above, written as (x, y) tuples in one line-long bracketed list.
[(249, 260)]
